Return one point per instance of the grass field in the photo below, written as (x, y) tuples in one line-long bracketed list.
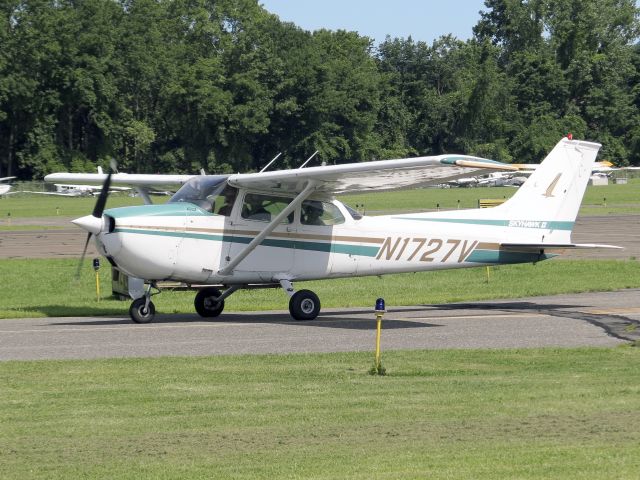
[(40, 288), (526, 414), (602, 200)]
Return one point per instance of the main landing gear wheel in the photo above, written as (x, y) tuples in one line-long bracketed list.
[(206, 304), (304, 305), (141, 314)]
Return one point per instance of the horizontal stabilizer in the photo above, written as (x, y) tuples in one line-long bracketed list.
[(545, 246)]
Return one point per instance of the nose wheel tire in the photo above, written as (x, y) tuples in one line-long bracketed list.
[(206, 304), (304, 305), (141, 314)]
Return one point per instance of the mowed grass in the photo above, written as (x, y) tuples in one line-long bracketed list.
[(493, 414), (47, 287), (601, 200)]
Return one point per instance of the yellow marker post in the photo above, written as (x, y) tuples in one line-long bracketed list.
[(378, 369), (379, 331), (96, 267), (488, 274)]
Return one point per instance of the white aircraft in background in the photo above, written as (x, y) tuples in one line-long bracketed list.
[(282, 227), (73, 190), (501, 179), (4, 188), (516, 179), (145, 184), (598, 167)]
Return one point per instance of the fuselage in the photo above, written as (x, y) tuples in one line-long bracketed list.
[(184, 242)]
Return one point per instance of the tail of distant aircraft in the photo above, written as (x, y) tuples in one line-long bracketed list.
[(545, 207)]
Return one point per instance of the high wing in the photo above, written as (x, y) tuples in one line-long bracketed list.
[(4, 179), (371, 176), (141, 181), (131, 179)]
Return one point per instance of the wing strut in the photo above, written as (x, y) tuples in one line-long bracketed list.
[(308, 190)]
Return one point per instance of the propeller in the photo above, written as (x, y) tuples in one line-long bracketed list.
[(94, 225)]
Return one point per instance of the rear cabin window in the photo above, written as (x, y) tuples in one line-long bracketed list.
[(264, 208)]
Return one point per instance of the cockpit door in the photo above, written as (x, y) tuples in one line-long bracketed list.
[(275, 255)]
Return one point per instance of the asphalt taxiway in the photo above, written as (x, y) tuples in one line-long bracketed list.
[(589, 319)]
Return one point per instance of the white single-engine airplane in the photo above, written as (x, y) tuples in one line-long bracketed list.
[(75, 190), (280, 227)]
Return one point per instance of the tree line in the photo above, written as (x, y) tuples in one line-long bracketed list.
[(224, 85)]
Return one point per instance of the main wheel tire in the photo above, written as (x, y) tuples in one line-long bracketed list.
[(205, 303), (139, 313), (304, 305)]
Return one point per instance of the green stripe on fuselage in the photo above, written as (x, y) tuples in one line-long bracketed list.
[(344, 248)]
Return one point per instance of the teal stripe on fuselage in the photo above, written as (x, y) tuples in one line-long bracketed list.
[(549, 225), (344, 248), (178, 209)]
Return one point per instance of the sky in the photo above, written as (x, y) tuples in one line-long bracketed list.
[(423, 20)]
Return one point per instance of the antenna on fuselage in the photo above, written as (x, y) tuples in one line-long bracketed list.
[(308, 160), (269, 164)]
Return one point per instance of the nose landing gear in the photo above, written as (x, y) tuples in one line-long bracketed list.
[(142, 310)]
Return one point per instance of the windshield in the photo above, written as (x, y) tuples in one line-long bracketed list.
[(201, 191)]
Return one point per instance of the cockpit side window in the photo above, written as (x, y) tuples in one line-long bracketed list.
[(223, 204)]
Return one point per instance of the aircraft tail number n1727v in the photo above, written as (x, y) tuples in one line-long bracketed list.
[(228, 232)]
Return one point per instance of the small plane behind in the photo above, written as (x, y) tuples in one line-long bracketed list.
[(144, 184), (275, 229), (517, 178), (75, 190), (604, 166), (5, 187), (501, 179)]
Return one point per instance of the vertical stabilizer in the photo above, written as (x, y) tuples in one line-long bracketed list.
[(551, 197)]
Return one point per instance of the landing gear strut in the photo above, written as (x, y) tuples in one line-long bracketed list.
[(303, 304)]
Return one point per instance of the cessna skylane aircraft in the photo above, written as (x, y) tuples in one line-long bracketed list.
[(282, 227)]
